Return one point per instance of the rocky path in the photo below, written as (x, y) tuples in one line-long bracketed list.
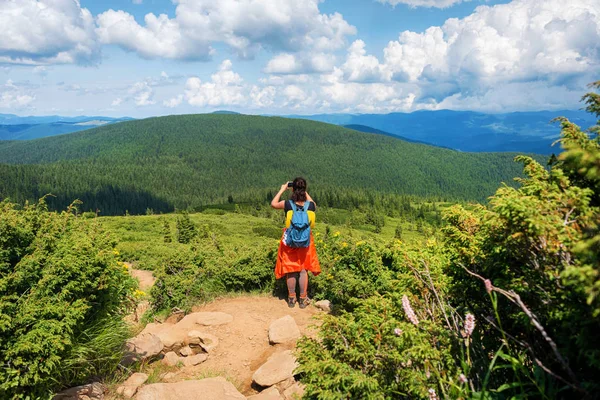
[(231, 348)]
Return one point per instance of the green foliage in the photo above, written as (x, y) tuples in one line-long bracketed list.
[(59, 281), (372, 353), (166, 231), (207, 269), (180, 162), (540, 243), (185, 228), (351, 272)]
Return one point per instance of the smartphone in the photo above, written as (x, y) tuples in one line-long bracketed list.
[(290, 184)]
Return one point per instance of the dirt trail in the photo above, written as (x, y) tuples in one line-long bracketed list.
[(244, 342)]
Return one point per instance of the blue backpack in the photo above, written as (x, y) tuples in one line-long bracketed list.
[(298, 234)]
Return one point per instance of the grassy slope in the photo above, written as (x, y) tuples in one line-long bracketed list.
[(195, 159), (141, 240)]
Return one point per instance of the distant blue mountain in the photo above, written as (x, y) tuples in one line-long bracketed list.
[(368, 129), (527, 132), (13, 127)]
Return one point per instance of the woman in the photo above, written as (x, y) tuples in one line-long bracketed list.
[(294, 262)]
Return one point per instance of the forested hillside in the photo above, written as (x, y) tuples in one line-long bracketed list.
[(189, 161)]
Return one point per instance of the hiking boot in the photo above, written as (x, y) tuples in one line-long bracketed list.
[(291, 302), (304, 302)]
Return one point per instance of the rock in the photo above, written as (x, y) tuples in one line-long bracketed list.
[(206, 319), (143, 347), (324, 305), (268, 394), (93, 391), (194, 360), (284, 385), (278, 367), (294, 392), (205, 389), (283, 330), (205, 340), (172, 339), (169, 375), (186, 351), (175, 317), (131, 385), (171, 359)]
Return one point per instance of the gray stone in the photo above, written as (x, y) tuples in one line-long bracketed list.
[(278, 367), (324, 305), (268, 394), (205, 389), (93, 391), (283, 330), (131, 385)]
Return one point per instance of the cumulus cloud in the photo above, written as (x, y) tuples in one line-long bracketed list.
[(40, 32), (297, 64), (360, 67), (13, 97), (160, 37), (365, 97), (424, 3), (225, 88), (520, 41), (245, 25), (262, 97), (142, 93), (173, 102)]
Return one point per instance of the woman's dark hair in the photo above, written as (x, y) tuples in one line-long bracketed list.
[(299, 186)]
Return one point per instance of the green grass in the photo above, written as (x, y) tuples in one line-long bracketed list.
[(140, 238)]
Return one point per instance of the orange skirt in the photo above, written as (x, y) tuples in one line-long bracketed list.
[(292, 259)]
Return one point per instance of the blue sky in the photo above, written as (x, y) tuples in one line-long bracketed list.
[(163, 57)]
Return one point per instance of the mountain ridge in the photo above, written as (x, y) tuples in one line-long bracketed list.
[(191, 160)]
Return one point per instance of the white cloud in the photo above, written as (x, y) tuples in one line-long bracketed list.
[(365, 97), (245, 25), (173, 102), (296, 64), (519, 41), (137, 1), (142, 94), (360, 67), (117, 102), (225, 88), (161, 37), (13, 97), (424, 3), (39, 32), (262, 97)]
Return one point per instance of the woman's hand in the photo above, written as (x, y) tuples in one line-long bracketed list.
[(284, 187)]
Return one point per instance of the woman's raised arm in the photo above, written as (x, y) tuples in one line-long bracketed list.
[(277, 203)]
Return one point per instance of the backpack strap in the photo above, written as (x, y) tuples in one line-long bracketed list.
[(306, 204), (293, 205)]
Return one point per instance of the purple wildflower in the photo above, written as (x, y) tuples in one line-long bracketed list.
[(398, 331), (469, 325), (409, 311), (462, 378)]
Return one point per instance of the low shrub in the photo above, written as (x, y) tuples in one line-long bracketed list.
[(59, 281)]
